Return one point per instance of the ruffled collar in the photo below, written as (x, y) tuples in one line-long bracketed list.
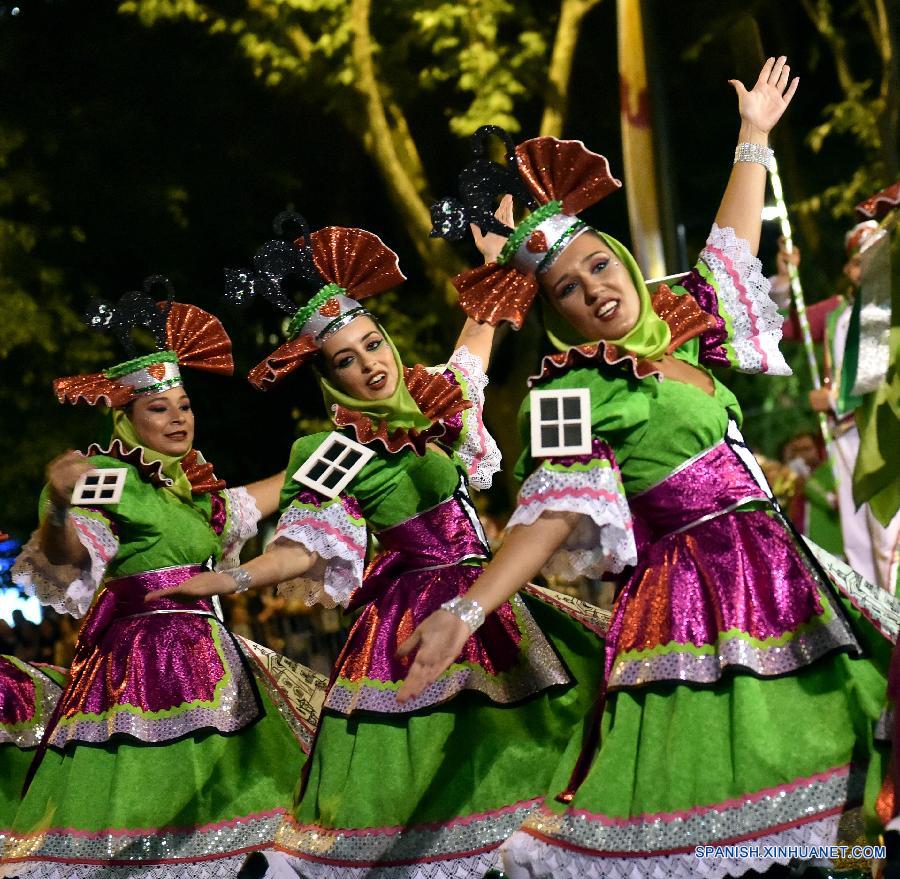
[(198, 471), (438, 397), (683, 315)]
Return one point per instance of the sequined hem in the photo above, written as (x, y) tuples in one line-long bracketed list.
[(139, 849), (217, 868), (603, 539), (749, 817), (537, 668), (877, 605), (384, 847), (538, 858), (475, 446), (240, 525), (296, 691), (67, 588), (752, 318), (29, 733), (235, 705), (338, 535), (704, 665)]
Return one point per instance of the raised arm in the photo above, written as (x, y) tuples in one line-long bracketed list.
[(479, 338), (760, 109)]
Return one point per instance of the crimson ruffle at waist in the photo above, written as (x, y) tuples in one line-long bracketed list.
[(154, 670), (710, 484), (123, 597), (421, 566), (716, 586)]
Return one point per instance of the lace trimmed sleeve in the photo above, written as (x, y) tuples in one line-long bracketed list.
[(474, 445), (68, 588), (336, 531), (590, 485), (729, 284), (241, 523)]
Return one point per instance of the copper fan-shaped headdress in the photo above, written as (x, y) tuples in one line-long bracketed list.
[(556, 179), (339, 266), (184, 334)]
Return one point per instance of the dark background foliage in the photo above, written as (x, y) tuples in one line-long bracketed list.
[(163, 136)]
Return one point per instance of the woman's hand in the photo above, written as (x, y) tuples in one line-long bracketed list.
[(199, 586), (491, 244), (62, 474), (440, 639), (764, 104)]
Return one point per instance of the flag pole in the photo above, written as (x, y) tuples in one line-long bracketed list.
[(797, 294)]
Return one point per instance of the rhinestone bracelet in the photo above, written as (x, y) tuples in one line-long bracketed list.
[(469, 611), (242, 577), (754, 152)]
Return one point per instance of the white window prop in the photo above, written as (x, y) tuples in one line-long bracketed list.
[(331, 467), (103, 486), (561, 422)]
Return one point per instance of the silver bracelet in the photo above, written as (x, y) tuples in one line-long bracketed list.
[(469, 611), (754, 152), (57, 515), (242, 577)]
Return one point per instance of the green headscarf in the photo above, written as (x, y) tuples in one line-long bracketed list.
[(123, 429), (398, 411), (648, 339)]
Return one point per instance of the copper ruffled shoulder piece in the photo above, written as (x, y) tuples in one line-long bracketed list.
[(438, 398), (282, 361), (200, 474), (493, 293), (198, 338), (356, 260), (565, 171), (198, 471), (92, 389), (683, 315), (878, 206)]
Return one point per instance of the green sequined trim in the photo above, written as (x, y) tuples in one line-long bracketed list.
[(295, 327), (560, 243), (130, 366), (525, 228)]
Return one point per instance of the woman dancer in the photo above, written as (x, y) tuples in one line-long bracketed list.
[(739, 690), (172, 750), (434, 786)]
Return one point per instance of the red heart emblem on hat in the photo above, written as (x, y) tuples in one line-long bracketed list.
[(537, 242), (330, 308), (157, 371)]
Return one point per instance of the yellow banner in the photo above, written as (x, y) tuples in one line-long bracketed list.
[(641, 186)]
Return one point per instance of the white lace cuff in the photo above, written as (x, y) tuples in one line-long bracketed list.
[(475, 446), (751, 316), (603, 540), (241, 523), (338, 537), (67, 588)]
